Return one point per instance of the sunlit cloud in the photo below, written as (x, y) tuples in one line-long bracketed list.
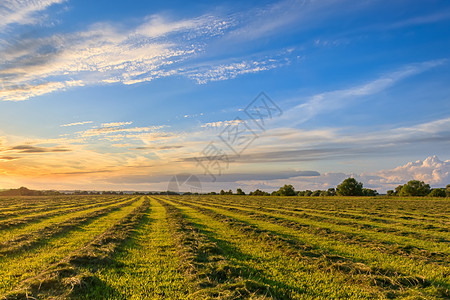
[(116, 124), (22, 11), (102, 54), (76, 124), (220, 72)]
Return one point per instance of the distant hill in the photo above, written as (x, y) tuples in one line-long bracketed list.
[(23, 191)]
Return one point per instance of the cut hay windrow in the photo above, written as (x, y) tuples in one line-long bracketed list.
[(368, 271), (75, 271), (206, 268), (29, 240)]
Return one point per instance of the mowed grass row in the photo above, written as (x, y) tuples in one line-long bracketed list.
[(228, 247), (270, 265), (427, 244), (32, 239), (394, 207), (72, 273), (147, 266), (168, 258), (435, 222), (399, 272), (25, 219), (15, 268), (422, 230), (20, 206), (41, 224)]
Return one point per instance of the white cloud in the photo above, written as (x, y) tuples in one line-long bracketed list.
[(116, 124), (335, 100), (431, 170), (109, 54), (76, 123), (25, 90), (207, 74), (102, 54), (22, 11), (220, 124)]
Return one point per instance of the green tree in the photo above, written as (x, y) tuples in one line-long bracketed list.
[(316, 193), (240, 192), (415, 188), (398, 190), (258, 192), (438, 193), (447, 190), (391, 193), (331, 192), (222, 192), (350, 187), (369, 192), (286, 190)]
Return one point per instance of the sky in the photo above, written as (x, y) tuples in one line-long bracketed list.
[(128, 95)]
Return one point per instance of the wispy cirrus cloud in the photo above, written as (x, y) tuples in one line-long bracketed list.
[(76, 124), (9, 157), (107, 53), (22, 11), (334, 100), (103, 54), (116, 124), (35, 149), (220, 72)]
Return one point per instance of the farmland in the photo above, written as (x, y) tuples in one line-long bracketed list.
[(227, 247)]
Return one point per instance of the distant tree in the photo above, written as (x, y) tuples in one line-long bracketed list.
[(316, 193), (350, 187), (323, 193), (222, 192), (286, 190), (415, 188), (369, 192), (398, 190), (259, 193), (240, 192), (308, 193), (391, 193), (230, 192), (447, 190), (331, 192), (438, 193)]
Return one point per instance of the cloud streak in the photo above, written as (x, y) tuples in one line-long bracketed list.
[(22, 11), (101, 55), (335, 100), (34, 149), (76, 124)]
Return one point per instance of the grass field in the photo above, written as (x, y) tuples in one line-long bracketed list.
[(227, 247)]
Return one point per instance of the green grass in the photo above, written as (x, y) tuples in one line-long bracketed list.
[(147, 266), (14, 268), (224, 247)]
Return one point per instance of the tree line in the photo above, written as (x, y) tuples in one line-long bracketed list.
[(351, 187)]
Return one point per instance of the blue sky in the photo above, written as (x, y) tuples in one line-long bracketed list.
[(125, 95)]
